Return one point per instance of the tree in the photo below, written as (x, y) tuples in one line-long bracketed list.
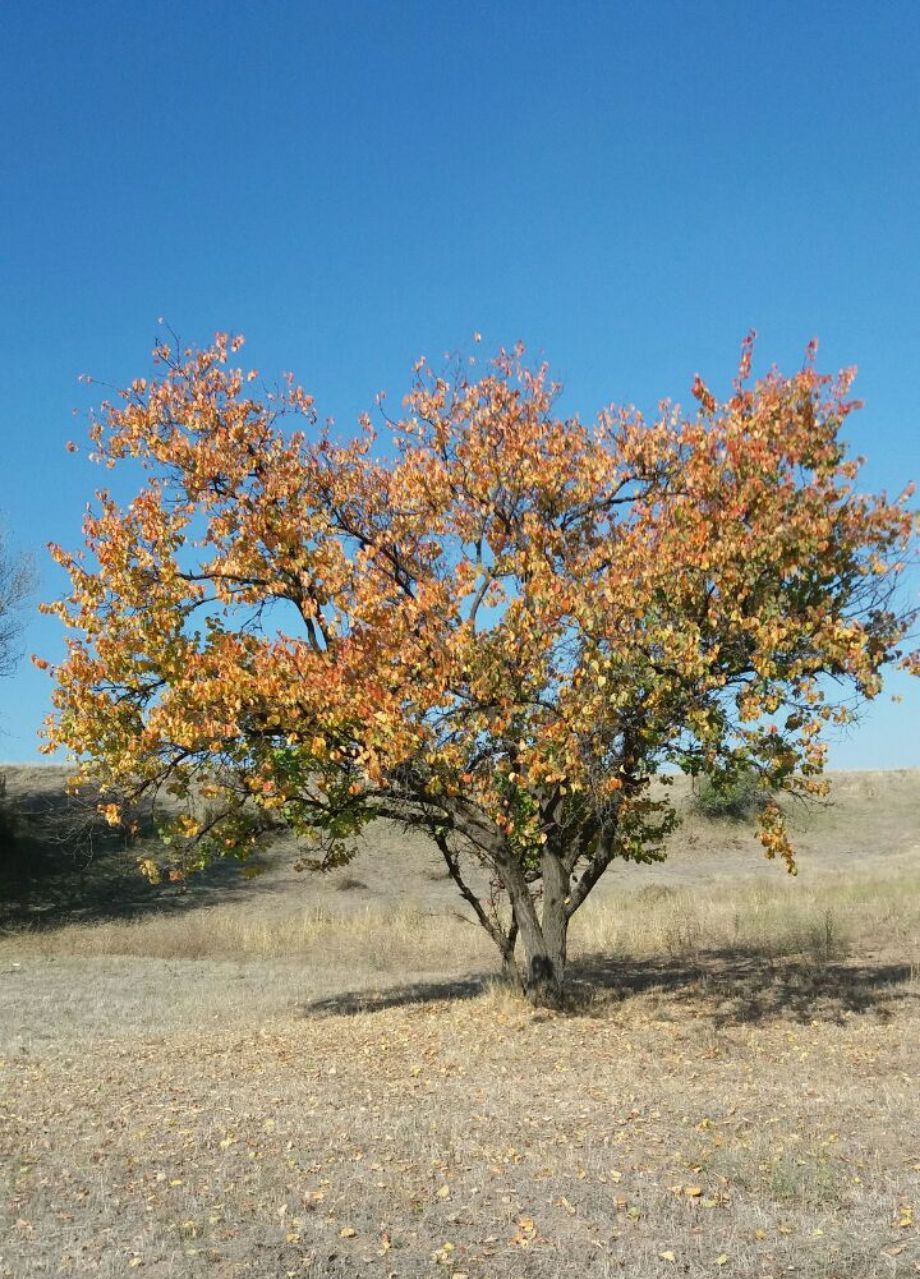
[(496, 630), (16, 581)]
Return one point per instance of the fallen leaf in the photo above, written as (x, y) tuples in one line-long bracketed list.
[(443, 1192), (347, 1232), (693, 1192), (722, 1258), (668, 1255)]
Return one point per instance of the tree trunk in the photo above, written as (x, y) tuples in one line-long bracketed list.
[(511, 974), (544, 937)]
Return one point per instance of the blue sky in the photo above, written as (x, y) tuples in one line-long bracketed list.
[(627, 187)]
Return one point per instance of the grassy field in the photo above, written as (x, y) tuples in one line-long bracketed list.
[(320, 1077)]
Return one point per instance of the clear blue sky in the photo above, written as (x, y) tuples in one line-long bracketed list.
[(627, 187)]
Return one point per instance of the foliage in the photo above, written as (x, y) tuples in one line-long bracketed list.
[(736, 798), (495, 624)]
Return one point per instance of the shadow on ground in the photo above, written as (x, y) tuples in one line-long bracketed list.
[(725, 987), (741, 984), (421, 992)]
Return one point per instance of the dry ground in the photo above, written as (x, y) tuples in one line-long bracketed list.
[(318, 1078)]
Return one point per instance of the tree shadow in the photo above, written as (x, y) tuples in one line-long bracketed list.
[(733, 986), (745, 985), (350, 1003)]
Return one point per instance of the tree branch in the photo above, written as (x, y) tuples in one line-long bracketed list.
[(453, 867), (603, 856)]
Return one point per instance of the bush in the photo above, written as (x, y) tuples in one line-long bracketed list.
[(732, 798)]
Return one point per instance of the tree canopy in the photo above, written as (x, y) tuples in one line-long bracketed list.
[(486, 620)]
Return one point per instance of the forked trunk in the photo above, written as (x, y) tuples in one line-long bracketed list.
[(544, 936)]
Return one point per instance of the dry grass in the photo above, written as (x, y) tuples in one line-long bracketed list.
[(777, 918), (780, 917), (253, 1089), (391, 942)]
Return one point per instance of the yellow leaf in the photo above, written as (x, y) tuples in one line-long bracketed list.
[(443, 1192), (693, 1192), (722, 1258), (668, 1255), (347, 1233)]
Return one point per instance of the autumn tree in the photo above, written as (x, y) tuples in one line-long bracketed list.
[(492, 623)]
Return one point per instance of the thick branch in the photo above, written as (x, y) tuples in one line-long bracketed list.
[(601, 859), (453, 867)]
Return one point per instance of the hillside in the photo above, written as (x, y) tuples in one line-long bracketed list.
[(871, 819)]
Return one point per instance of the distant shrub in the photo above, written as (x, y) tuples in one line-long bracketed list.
[(730, 798), (349, 883)]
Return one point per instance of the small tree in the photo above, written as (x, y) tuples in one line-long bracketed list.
[(496, 630), (16, 582)]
